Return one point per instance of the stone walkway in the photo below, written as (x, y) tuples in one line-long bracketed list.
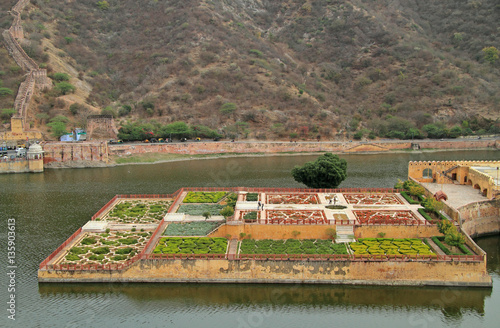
[(458, 195)]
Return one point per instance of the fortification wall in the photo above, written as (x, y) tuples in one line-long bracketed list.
[(432, 273), (81, 151), (101, 127), (35, 77), (482, 218)]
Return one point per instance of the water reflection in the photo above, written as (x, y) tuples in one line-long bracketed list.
[(452, 302)]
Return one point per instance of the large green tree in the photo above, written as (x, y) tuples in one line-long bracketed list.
[(327, 171)]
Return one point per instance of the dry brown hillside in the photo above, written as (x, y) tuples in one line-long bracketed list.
[(273, 69)]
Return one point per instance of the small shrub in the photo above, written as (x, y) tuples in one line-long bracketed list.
[(88, 241), (72, 257), (100, 250)]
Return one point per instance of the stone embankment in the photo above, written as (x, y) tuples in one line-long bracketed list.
[(36, 76), (192, 148)]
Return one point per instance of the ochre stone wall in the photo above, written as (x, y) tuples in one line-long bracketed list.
[(392, 231), (81, 151), (16, 166), (279, 231), (273, 231), (192, 148), (481, 218), (343, 272)]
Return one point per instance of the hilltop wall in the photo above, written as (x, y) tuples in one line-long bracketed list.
[(35, 77)]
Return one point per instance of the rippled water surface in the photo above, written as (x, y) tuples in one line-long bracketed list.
[(49, 207)]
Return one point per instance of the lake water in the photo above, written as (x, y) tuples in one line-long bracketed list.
[(49, 207)]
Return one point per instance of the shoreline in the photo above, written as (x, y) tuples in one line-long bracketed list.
[(246, 155), (194, 157)]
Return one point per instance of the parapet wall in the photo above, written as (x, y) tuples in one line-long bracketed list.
[(430, 273)]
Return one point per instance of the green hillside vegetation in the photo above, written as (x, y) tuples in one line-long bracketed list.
[(270, 69)]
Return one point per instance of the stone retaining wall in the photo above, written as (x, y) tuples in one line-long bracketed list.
[(431, 273), (482, 218), (192, 148)]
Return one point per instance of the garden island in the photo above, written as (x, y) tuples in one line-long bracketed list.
[(272, 235)]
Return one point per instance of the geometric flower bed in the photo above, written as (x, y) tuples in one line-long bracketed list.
[(138, 211), (389, 246), (372, 199), (200, 209), (291, 246), (197, 228), (249, 216), (191, 245), (204, 197), (292, 199), (107, 248), (385, 217), (295, 217)]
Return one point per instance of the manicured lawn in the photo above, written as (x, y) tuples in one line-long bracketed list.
[(291, 246), (190, 228), (200, 209)]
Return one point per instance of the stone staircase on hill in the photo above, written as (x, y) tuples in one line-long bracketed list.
[(345, 234)]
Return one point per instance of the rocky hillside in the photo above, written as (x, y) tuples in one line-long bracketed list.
[(272, 69)]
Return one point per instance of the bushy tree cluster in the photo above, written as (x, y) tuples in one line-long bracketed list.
[(139, 131)]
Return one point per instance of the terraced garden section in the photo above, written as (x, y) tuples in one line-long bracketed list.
[(291, 246), (191, 245), (200, 209), (292, 199), (385, 217), (372, 199), (138, 211), (204, 197), (106, 248), (389, 246), (295, 217), (249, 216), (201, 228)]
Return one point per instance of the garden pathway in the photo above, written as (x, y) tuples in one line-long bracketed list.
[(435, 247), (233, 249)]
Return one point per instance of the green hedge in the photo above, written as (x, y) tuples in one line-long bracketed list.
[(428, 218), (408, 198), (465, 250), (204, 197), (191, 245), (291, 246), (438, 239), (252, 197), (424, 214), (390, 246), (441, 246)]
